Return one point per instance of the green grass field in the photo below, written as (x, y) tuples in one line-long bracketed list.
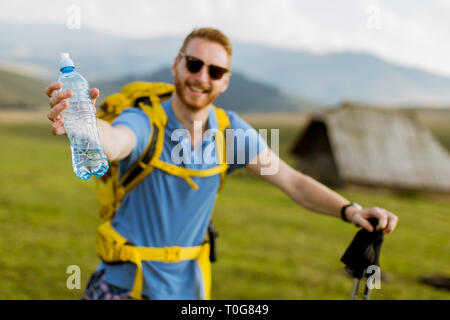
[(269, 248)]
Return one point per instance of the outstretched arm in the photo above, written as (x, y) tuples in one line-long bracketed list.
[(117, 141), (315, 196)]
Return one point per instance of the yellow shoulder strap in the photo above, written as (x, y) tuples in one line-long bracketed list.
[(224, 124), (141, 168), (187, 174)]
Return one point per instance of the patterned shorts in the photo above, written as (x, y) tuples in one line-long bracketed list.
[(98, 289)]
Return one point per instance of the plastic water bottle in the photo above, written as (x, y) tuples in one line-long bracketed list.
[(80, 122)]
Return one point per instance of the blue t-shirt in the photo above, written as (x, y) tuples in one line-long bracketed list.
[(164, 210)]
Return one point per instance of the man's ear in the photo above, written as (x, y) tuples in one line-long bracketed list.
[(226, 79), (174, 66)]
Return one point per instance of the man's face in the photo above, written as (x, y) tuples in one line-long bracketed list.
[(198, 90)]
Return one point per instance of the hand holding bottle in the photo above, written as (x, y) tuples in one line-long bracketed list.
[(73, 112), (58, 102)]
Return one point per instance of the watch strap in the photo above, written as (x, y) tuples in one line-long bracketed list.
[(344, 208)]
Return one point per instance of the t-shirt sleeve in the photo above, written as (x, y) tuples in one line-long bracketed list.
[(246, 144), (138, 122)]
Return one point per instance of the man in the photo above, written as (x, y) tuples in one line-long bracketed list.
[(163, 210)]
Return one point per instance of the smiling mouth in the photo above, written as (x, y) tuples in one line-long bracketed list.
[(197, 90)]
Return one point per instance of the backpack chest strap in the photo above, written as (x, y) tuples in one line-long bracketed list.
[(186, 173)]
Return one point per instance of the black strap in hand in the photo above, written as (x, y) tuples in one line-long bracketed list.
[(363, 251)]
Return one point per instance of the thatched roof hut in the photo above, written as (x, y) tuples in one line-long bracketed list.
[(373, 146)]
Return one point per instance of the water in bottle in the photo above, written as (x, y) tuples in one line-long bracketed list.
[(80, 122)]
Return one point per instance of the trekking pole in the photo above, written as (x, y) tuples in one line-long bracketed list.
[(354, 292), (366, 295), (363, 251)]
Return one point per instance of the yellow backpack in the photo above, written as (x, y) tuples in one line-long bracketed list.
[(110, 245)]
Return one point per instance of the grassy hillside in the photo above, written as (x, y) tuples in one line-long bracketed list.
[(21, 92), (269, 248)]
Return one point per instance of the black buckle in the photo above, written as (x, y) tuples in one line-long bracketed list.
[(213, 234)]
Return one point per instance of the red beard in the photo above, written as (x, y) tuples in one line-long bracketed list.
[(193, 103)]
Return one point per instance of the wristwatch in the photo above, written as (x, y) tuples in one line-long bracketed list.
[(344, 208)]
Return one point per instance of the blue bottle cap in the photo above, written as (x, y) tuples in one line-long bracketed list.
[(65, 61)]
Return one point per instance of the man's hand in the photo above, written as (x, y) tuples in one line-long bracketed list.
[(387, 221), (58, 103)]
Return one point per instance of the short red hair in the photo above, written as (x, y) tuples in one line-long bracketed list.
[(210, 34)]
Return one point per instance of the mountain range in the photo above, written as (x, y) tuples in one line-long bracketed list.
[(242, 95), (321, 79)]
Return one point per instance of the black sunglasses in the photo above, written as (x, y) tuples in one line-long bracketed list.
[(194, 65)]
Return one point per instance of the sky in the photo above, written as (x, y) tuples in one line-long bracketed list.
[(409, 32)]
